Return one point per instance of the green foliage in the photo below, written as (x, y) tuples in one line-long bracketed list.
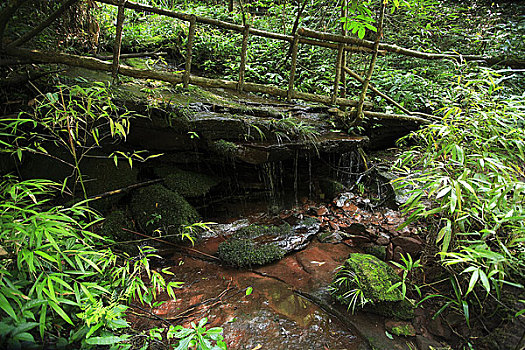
[(197, 337), (59, 282), (245, 253), (75, 119), (467, 175), (408, 266)]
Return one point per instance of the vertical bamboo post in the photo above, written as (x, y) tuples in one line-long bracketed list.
[(295, 49), (344, 32), (242, 68), (366, 83), (118, 40), (338, 65), (189, 49)]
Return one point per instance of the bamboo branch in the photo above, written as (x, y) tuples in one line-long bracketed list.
[(38, 29), (295, 49), (516, 63), (387, 116), (338, 65), (379, 35), (129, 55), (384, 96)]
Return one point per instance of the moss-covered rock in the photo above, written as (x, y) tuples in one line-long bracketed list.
[(160, 211), (224, 148), (245, 253), (374, 278), (187, 183), (256, 231), (379, 251), (113, 226)]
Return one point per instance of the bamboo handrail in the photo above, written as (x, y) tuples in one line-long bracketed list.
[(174, 78)]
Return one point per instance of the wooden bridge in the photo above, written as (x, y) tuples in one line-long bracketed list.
[(301, 36)]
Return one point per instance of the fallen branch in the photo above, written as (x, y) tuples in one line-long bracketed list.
[(384, 96), (411, 118), (124, 189)]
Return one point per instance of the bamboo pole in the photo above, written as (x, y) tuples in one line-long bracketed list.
[(118, 40), (324, 36), (173, 78), (360, 106), (189, 51), (338, 65), (344, 32), (38, 29), (383, 95), (295, 49), (244, 50)]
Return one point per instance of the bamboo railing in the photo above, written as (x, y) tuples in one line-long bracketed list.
[(300, 36)]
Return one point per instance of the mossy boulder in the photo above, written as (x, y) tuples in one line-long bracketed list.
[(263, 231), (245, 253), (374, 278), (113, 227), (160, 211), (187, 183), (114, 224), (224, 148), (379, 251)]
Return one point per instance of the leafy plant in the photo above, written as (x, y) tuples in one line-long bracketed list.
[(197, 337), (408, 266), (346, 279), (467, 176)]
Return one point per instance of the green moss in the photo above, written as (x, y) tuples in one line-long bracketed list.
[(404, 330), (113, 226), (374, 278), (255, 231), (224, 148), (187, 183), (378, 251), (245, 253), (159, 210), (101, 175)]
